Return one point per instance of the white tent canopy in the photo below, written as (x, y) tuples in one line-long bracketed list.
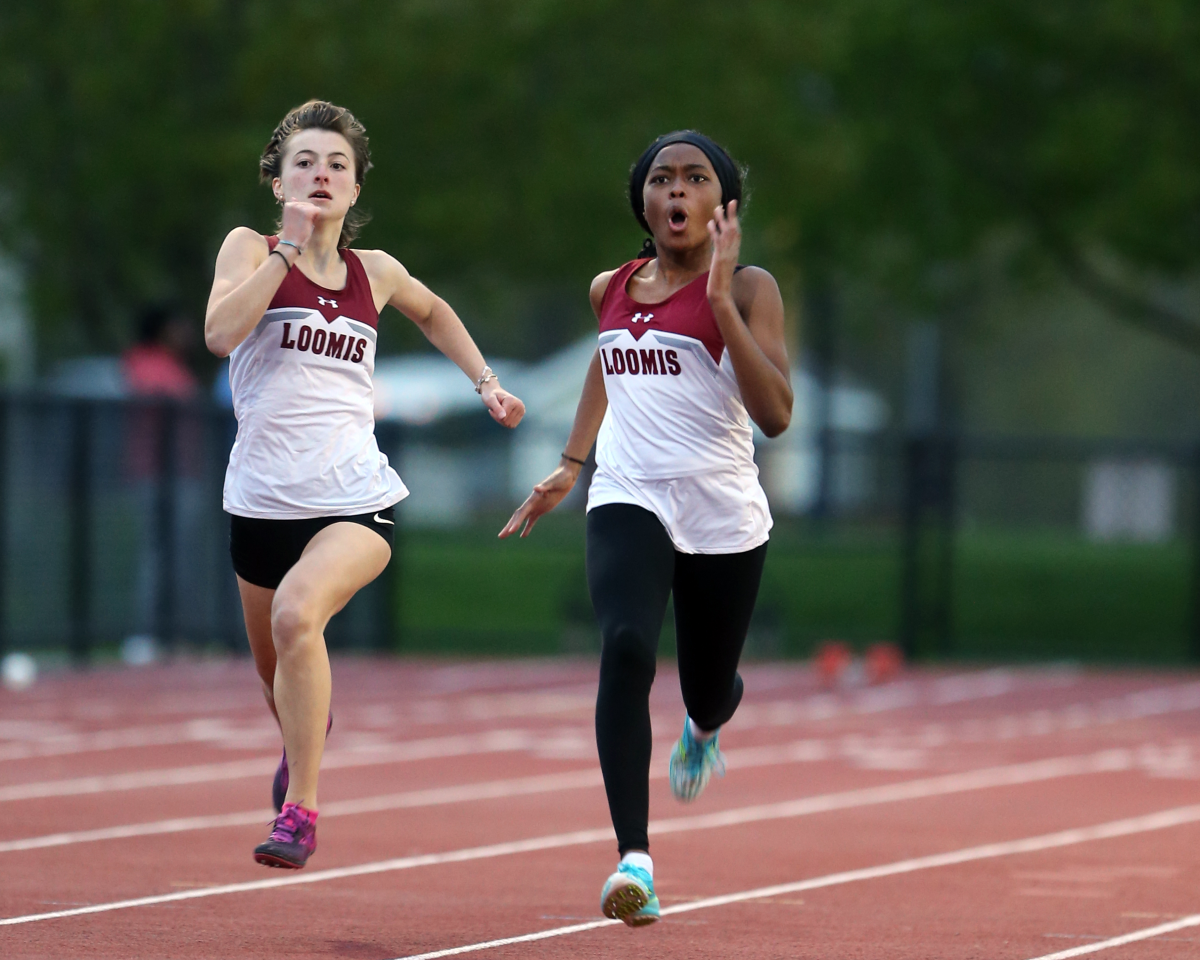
[(421, 388)]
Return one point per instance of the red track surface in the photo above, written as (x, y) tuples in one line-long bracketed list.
[(960, 760)]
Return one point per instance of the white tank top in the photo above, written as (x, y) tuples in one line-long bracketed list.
[(676, 438), (303, 398)]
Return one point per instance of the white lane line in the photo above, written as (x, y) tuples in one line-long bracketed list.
[(41, 739), (200, 730), (432, 748), (1063, 838), (1135, 705), (1144, 934), (799, 752), (1138, 704), (369, 754), (1021, 773), (416, 798)]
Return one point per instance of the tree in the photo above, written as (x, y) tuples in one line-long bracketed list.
[(909, 144)]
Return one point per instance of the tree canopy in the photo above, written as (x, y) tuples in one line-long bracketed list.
[(914, 145)]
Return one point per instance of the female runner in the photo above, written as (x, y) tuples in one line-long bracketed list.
[(691, 348), (310, 495)]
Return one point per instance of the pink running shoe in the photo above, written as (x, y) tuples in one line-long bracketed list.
[(280, 784), (292, 841)]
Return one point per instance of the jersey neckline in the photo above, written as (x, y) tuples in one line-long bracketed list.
[(342, 251), (654, 303)]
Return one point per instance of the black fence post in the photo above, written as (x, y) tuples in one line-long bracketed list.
[(166, 510), (1194, 644), (930, 474), (390, 437), (5, 407), (227, 619), (946, 501), (79, 510), (914, 454), (820, 309)]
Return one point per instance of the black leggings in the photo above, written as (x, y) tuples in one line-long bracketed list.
[(632, 567)]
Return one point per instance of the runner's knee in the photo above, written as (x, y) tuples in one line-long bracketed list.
[(712, 706), (293, 622), (628, 654)]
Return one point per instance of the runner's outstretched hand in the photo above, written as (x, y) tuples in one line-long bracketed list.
[(545, 497), (506, 409)]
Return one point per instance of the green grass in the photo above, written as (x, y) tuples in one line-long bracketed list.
[(1037, 595), (465, 591)]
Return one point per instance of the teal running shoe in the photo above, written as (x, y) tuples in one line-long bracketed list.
[(628, 896), (693, 764)]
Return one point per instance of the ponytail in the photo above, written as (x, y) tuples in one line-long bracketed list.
[(649, 250)]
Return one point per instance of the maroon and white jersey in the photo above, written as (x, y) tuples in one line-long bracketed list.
[(304, 401), (675, 412)]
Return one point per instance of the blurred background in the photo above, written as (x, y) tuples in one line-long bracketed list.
[(984, 217)]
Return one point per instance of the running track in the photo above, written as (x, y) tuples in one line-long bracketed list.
[(992, 814)]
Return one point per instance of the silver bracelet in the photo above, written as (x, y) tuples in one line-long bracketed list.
[(298, 248), (484, 378)]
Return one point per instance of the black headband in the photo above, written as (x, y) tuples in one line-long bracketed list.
[(726, 170)]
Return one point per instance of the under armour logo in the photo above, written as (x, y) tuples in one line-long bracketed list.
[(644, 318), (327, 303)]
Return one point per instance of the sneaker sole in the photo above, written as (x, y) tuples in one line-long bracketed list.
[(623, 902), (688, 791), (271, 860)]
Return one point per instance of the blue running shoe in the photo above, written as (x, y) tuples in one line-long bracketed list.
[(628, 896), (280, 784), (693, 764)]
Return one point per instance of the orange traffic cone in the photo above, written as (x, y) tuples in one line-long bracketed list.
[(831, 660), (884, 662)]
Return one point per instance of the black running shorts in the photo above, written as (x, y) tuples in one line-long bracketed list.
[(264, 551)]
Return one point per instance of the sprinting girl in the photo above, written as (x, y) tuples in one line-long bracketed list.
[(691, 349), (310, 495)]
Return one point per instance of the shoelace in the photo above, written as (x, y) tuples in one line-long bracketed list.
[(287, 826), (695, 754)]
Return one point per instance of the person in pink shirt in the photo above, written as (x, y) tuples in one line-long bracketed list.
[(162, 449), (156, 365)]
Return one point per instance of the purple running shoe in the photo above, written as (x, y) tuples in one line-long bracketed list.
[(280, 784), (292, 841)]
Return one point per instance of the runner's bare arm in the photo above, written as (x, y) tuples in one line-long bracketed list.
[(248, 274), (442, 327), (749, 312), (593, 403)]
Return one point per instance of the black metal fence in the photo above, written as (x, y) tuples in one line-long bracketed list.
[(952, 485), (111, 527)]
